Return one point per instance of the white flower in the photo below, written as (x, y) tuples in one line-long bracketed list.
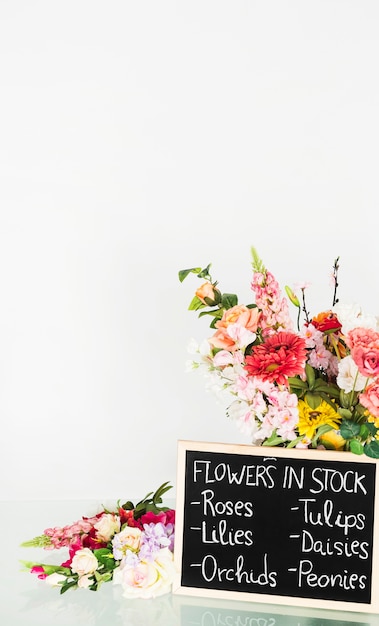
[(84, 562), (107, 526), (222, 358), (352, 316), (240, 335), (244, 416), (349, 379), (201, 353), (127, 539), (55, 579), (85, 581), (147, 579), (201, 350)]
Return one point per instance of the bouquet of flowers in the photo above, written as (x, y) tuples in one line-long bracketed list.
[(132, 546), (313, 387)]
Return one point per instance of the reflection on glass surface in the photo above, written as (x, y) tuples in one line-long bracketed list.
[(108, 607), (102, 608), (197, 612)]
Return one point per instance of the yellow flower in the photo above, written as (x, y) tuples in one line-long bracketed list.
[(374, 420), (332, 439), (311, 419)]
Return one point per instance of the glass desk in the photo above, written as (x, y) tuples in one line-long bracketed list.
[(27, 601)]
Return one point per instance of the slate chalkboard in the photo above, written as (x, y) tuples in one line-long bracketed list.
[(292, 526)]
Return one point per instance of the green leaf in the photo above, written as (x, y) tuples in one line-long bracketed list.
[(294, 442), (372, 449), (273, 440), (313, 399), (345, 413), (104, 555), (152, 503), (196, 304), (356, 446), (228, 300), (310, 374), (364, 432), (345, 399), (204, 274), (326, 399), (128, 506), (325, 428), (68, 585), (371, 427), (349, 429), (328, 389), (184, 273), (297, 383), (217, 313)]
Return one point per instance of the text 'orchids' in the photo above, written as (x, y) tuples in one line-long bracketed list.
[(316, 386)]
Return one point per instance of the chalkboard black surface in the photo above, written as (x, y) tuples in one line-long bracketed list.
[(277, 525)]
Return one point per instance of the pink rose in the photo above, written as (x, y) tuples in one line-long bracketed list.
[(370, 398), (147, 579)]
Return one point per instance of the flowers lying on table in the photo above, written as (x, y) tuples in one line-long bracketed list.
[(132, 546), (315, 387)]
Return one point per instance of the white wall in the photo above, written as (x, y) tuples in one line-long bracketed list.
[(139, 138)]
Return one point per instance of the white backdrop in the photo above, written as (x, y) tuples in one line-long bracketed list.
[(140, 138)]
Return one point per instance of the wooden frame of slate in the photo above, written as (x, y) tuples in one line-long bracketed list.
[(276, 525)]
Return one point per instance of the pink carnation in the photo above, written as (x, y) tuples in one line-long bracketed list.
[(362, 337), (364, 346), (370, 398)]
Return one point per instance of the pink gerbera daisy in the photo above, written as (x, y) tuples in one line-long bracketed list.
[(280, 356)]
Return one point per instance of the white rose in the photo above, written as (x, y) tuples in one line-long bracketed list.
[(55, 579), (84, 562), (127, 539), (85, 581), (147, 579), (107, 526)]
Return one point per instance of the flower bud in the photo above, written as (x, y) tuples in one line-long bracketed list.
[(208, 294)]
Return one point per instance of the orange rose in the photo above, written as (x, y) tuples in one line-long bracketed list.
[(207, 291), (239, 314)]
